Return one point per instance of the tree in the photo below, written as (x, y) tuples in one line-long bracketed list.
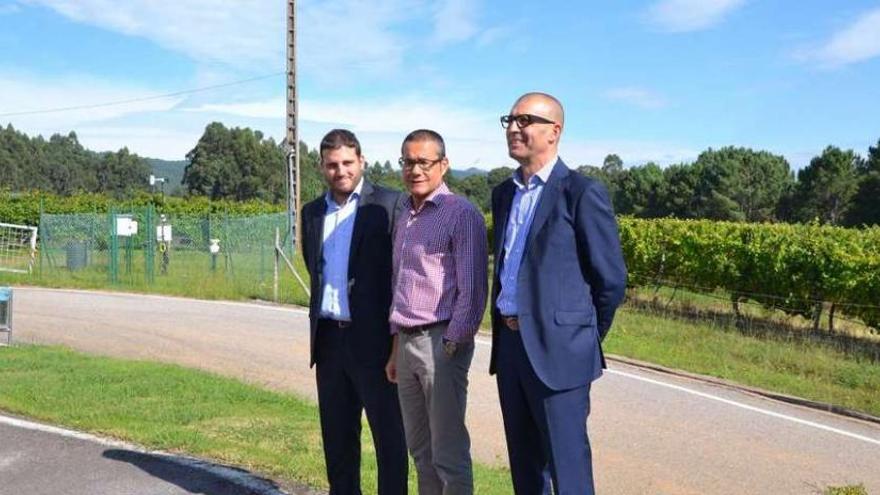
[(237, 164), (594, 172), (676, 197), (498, 175), (865, 208), (612, 169), (638, 190), (476, 189), (827, 185), (312, 182), (612, 165), (740, 184), (121, 173), (63, 166), (374, 172)]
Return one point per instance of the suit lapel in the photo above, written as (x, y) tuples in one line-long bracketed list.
[(358, 231), (317, 240), (548, 199), (500, 223)]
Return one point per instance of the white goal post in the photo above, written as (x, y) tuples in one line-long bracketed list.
[(18, 248)]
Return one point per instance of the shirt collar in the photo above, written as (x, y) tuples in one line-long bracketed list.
[(354, 196), (542, 176), (435, 198)]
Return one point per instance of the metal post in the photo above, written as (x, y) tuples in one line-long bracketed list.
[(275, 279), (293, 175), (114, 248), (6, 314)]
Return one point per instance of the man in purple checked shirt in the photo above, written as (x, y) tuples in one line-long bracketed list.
[(440, 288)]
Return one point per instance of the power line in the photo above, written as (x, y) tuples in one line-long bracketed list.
[(144, 98)]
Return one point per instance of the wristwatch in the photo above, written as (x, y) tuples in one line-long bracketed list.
[(449, 347)]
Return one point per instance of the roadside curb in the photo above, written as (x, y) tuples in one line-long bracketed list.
[(255, 483), (790, 399)]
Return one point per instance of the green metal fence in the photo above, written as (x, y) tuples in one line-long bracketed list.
[(219, 256)]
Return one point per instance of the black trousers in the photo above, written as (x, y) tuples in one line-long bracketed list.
[(345, 389)]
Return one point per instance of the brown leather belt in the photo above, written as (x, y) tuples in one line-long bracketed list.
[(511, 322)]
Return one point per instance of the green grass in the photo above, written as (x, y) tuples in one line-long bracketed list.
[(846, 490), (718, 303), (180, 410), (804, 369), (242, 276)]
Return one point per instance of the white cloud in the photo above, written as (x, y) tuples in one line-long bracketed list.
[(473, 138), (455, 21), (147, 141), (167, 129), (247, 35), (22, 95), (401, 114), (690, 15), (396, 114), (10, 8), (337, 40), (639, 97), (345, 40), (855, 43), (266, 109)]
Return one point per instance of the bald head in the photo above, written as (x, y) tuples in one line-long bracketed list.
[(548, 105), (533, 129)]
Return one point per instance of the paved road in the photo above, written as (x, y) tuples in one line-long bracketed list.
[(39, 460), (652, 433)]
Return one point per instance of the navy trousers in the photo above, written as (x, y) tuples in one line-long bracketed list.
[(546, 430), (345, 389)]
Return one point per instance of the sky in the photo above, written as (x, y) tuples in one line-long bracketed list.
[(653, 80)]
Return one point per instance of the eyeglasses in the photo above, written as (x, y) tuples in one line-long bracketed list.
[(523, 120), (423, 164)]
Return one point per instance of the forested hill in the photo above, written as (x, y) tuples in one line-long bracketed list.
[(62, 165)]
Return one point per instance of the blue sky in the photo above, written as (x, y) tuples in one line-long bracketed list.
[(655, 80)]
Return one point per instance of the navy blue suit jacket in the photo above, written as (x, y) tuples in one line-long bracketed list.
[(571, 280), (369, 270)]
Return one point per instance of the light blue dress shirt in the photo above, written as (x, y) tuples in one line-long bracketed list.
[(338, 228), (522, 212)]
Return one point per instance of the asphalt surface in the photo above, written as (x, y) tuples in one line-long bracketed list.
[(37, 461), (651, 433)]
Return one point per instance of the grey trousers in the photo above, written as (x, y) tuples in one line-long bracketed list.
[(433, 396)]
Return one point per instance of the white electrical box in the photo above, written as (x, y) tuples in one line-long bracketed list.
[(163, 233), (126, 226)]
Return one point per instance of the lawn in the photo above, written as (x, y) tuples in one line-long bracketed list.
[(180, 410)]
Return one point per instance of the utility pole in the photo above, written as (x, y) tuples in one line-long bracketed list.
[(293, 190)]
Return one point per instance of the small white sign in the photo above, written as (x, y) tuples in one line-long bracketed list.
[(126, 226), (163, 233)]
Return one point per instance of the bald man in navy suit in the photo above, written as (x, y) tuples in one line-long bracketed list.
[(559, 277)]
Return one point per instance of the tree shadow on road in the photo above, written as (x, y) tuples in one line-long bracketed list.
[(196, 476)]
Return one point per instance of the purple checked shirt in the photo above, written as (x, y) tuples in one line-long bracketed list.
[(440, 263)]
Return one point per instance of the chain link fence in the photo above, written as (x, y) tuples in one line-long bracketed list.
[(209, 255)]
